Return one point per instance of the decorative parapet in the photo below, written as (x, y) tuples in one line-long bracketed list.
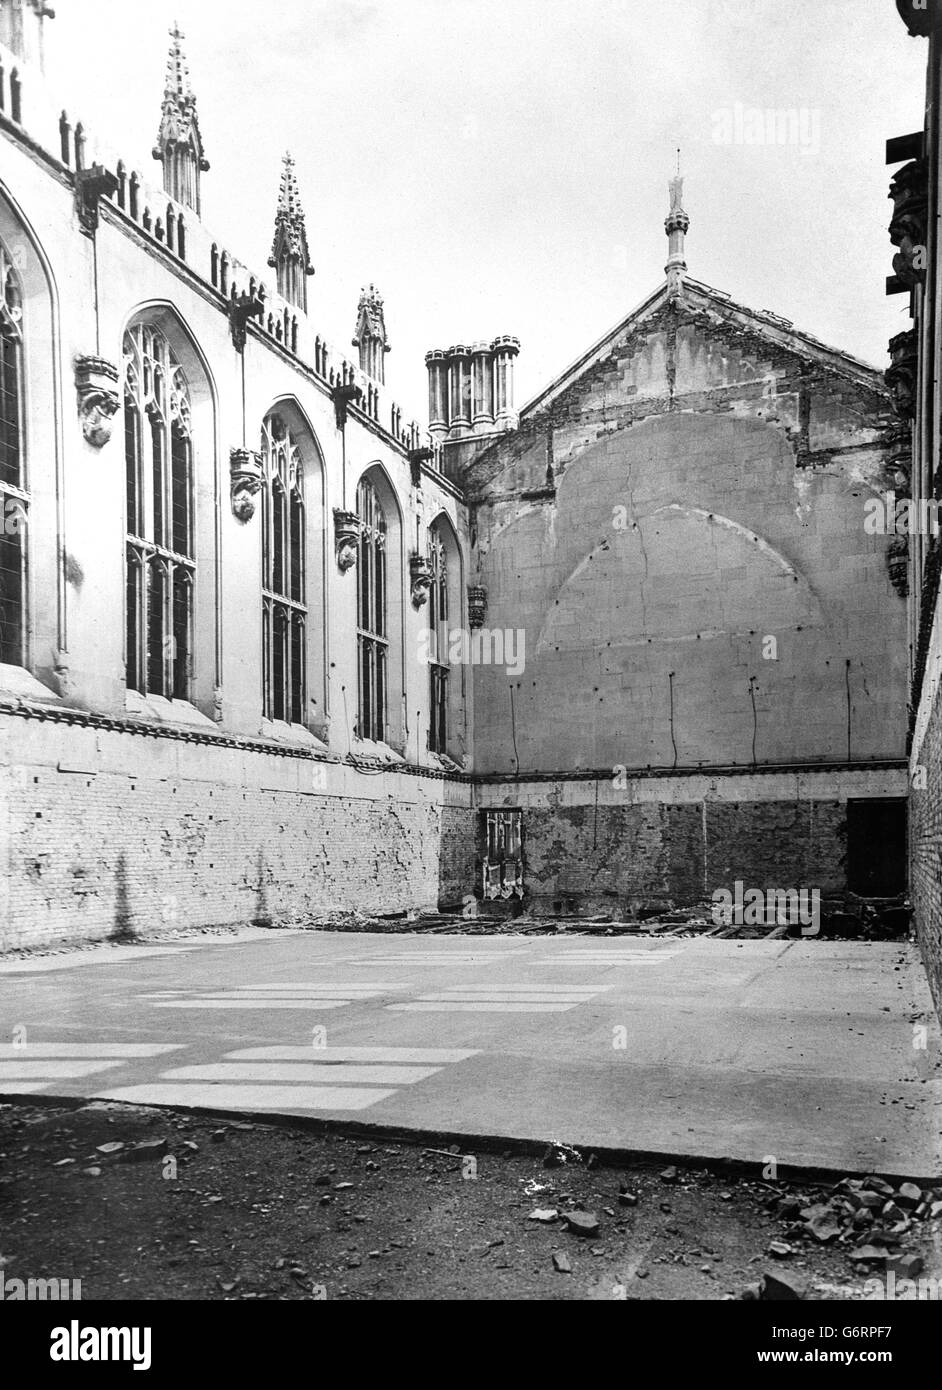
[(420, 571), (901, 374), (245, 482), (96, 387), (477, 606), (346, 538), (908, 225)]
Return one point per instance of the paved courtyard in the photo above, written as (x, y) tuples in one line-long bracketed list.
[(818, 1055)]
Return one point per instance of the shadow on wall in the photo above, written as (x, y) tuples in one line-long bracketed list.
[(123, 918), (262, 916)]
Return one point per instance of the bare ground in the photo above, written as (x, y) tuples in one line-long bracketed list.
[(224, 1210)]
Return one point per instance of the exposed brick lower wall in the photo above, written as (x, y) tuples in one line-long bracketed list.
[(653, 855), (672, 841), (925, 848), (103, 832)]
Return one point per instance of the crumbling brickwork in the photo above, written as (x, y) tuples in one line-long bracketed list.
[(220, 835), (650, 842), (925, 843)]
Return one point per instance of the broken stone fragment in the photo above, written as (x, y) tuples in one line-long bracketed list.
[(630, 1199), (582, 1223), (780, 1249), (669, 1174), (909, 1196), (152, 1150), (544, 1215), (108, 1149), (561, 1263), (867, 1254), (780, 1286), (824, 1229)]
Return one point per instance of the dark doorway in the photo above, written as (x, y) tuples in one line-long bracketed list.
[(876, 847), (503, 854)]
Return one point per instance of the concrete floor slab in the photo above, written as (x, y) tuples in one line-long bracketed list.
[(815, 1054)]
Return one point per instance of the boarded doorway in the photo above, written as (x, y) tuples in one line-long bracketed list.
[(876, 847)]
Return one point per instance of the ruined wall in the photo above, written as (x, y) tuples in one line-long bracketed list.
[(105, 831), (677, 537), (706, 496), (656, 842)]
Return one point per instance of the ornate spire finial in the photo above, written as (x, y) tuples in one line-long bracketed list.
[(370, 336), (290, 255), (676, 225), (178, 74), (179, 144)]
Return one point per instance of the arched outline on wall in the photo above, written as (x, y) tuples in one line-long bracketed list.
[(316, 540), (742, 533), (397, 722), (167, 317), (10, 210), (457, 726)]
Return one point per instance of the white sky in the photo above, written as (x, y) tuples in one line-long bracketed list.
[(500, 166)]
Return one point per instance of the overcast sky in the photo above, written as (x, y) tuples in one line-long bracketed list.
[(501, 166)]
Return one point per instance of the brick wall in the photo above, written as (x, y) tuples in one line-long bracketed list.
[(925, 844), (654, 842), (106, 831)]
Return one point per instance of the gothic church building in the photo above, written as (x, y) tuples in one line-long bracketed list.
[(231, 572)]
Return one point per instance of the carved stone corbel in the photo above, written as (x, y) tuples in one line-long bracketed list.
[(91, 185), (344, 395), (908, 226), (897, 563), (420, 571), (245, 481), (346, 538), (241, 309), (899, 458), (901, 375), (96, 387), (416, 459), (477, 606)]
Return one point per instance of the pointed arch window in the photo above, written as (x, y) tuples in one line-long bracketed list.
[(438, 624), (372, 626), (14, 497), (284, 592), (160, 565)]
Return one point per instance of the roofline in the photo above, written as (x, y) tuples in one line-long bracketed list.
[(771, 322), (593, 350)]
